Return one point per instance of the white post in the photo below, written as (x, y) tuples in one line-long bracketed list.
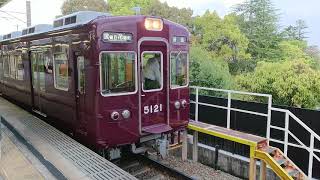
[(197, 105), (286, 134), (269, 116), (195, 147), (28, 13), (311, 149), (229, 110), (184, 155)]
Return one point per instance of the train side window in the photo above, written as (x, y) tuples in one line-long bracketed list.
[(60, 66), (179, 69), (12, 66), (20, 68), (81, 74), (152, 71), (6, 67), (118, 73), (48, 63)]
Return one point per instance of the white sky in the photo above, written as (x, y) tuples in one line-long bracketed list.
[(44, 12)]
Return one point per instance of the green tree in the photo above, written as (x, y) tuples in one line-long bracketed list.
[(71, 6), (293, 49), (208, 72), (124, 7), (296, 49), (291, 83), (221, 37), (297, 31), (182, 16), (258, 20)]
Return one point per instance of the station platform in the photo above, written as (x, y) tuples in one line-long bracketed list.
[(55, 155), (16, 158)]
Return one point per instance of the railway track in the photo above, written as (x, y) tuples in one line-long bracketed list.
[(148, 168)]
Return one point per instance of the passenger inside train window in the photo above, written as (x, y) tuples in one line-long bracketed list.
[(152, 71)]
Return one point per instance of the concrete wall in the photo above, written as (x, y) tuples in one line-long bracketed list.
[(227, 162)]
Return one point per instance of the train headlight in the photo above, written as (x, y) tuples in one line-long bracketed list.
[(126, 114), (177, 105), (153, 24), (115, 115), (184, 103)]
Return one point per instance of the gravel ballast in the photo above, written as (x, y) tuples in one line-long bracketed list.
[(197, 170)]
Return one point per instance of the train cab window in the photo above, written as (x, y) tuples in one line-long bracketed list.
[(152, 71), (179, 69), (6, 68), (19, 67), (118, 73), (60, 65)]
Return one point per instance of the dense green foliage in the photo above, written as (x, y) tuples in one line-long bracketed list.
[(258, 20), (125, 7), (292, 83), (244, 50), (207, 71), (221, 37), (70, 6)]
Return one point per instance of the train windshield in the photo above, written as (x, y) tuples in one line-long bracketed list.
[(179, 69), (118, 73)]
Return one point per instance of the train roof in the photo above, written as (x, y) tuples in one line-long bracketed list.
[(64, 22)]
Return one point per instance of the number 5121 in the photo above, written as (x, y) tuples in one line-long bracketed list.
[(152, 109)]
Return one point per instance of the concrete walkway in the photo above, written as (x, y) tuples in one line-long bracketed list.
[(14, 164)]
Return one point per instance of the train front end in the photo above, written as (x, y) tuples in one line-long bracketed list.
[(143, 81)]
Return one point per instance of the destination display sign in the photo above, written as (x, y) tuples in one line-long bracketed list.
[(114, 37)]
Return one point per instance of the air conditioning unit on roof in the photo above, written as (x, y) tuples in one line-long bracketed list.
[(37, 29), (81, 17)]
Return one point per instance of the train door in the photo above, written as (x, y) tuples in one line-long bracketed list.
[(80, 90), (38, 81), (153, 88)]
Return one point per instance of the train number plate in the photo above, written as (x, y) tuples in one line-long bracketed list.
[(152, 109)]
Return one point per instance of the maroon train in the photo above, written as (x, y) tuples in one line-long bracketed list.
[(112, 81)]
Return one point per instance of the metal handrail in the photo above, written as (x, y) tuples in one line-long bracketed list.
[(286, 130), (229, 108), (231, 91), (301, 145)]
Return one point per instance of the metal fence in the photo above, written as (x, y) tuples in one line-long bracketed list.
[(287, 133)]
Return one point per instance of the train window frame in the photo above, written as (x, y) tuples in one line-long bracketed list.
[(162, 73), (18, 58), (12, 66), (80, 72), (54, 68), (188, 73), (135, 74), (6, 59)]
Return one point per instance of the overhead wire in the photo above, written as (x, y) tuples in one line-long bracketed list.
[(16, 12), (13, 16)]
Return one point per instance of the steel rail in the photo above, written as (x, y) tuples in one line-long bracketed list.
[(163, 167)]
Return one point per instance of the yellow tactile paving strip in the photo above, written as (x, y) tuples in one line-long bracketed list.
[(14, 165)]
